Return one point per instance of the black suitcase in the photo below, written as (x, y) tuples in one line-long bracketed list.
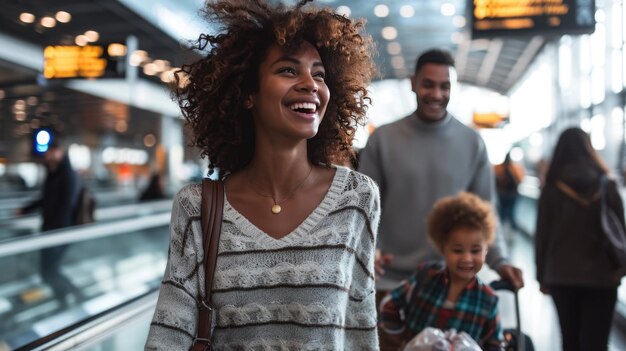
[(514, 339)]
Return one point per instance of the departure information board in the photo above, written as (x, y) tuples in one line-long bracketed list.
[(67, 61), (501, 18)]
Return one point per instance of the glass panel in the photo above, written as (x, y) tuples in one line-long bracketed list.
[(30, 224), (598, 45), (598, 140), (50, 289), (616, 26), (616, 71), (132, 337), (565, 62), (597, 85)]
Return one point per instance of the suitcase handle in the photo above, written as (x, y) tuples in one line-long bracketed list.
[(504, 284)]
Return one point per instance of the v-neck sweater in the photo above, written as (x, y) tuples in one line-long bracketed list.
[(312, 289)]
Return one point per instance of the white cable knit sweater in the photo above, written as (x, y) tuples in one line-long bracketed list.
[(311, 290)]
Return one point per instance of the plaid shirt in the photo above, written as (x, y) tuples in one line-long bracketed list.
[(418, 303)]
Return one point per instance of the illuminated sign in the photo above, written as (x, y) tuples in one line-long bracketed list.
[(495, 18), (41, 140), (489, 120), (90, 61)]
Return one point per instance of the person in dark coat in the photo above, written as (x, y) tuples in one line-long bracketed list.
[(154, 190), (58, 195), (571, 250), (57, 202), (508, 176)]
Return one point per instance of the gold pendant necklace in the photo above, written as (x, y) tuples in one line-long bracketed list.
[(276, 208)]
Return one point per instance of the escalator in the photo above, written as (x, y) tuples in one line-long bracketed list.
[(14, 227), (106, 265)]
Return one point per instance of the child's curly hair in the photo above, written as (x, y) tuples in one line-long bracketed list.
[(466, 211), (211, 92)]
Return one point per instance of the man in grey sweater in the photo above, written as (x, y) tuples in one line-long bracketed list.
[(418, 160)]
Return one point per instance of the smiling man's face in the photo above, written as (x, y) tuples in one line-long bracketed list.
[(431, 85)]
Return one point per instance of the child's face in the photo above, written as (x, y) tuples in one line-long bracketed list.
[(464, 252)]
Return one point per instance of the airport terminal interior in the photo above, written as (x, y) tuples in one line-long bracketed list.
[(95, 74)]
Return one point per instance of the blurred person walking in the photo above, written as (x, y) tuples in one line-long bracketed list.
[(57, 204), (418, 160), (508, 177), (274, 105), (155, 189), (570, 246)]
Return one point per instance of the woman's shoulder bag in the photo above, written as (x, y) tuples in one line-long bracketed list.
[(211, 218), (613, 228)]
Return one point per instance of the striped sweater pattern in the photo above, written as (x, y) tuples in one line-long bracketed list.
[(310, 290)]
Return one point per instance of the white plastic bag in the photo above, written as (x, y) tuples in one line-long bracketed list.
[(433, 339), (463, 342), (429, 339)]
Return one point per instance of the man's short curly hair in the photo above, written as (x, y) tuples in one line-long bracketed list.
[(466, 211), (211, 92)]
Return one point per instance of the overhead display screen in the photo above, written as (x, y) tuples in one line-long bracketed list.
[(68, 61), (502, 18)]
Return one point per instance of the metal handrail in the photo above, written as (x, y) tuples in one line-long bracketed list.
[(96, 328), (100, 214), (82, 233)]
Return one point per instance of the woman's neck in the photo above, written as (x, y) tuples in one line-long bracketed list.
[(278, 172)]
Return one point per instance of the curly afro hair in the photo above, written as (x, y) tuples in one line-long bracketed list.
[(466, 211), (211, 92)]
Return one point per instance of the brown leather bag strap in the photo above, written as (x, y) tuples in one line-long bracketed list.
[(211, 219), (575, 196)]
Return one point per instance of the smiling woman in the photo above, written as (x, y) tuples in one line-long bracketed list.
[(274, 106), (292, 96), (219, 85)]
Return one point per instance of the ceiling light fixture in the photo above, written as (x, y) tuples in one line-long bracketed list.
[(448, 9), (394, 48), (92, 36), (20, 116), (397, 62), (48, 22), (32, 101), (116, 50), (343, 11), (459, 21), (161, 65), (381, 11), (389, 33), (81, 40), (63, 17), (407, 11), (456, 38), (138, 57), (26, 17), (149, 140), (150, 69), (121, 126), (19, 104), (167, 76)]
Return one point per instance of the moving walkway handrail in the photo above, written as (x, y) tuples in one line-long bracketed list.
[(82, 233), (17, 199), (100, 214), (97, 327)]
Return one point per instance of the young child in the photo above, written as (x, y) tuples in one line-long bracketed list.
[(450, 296)]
